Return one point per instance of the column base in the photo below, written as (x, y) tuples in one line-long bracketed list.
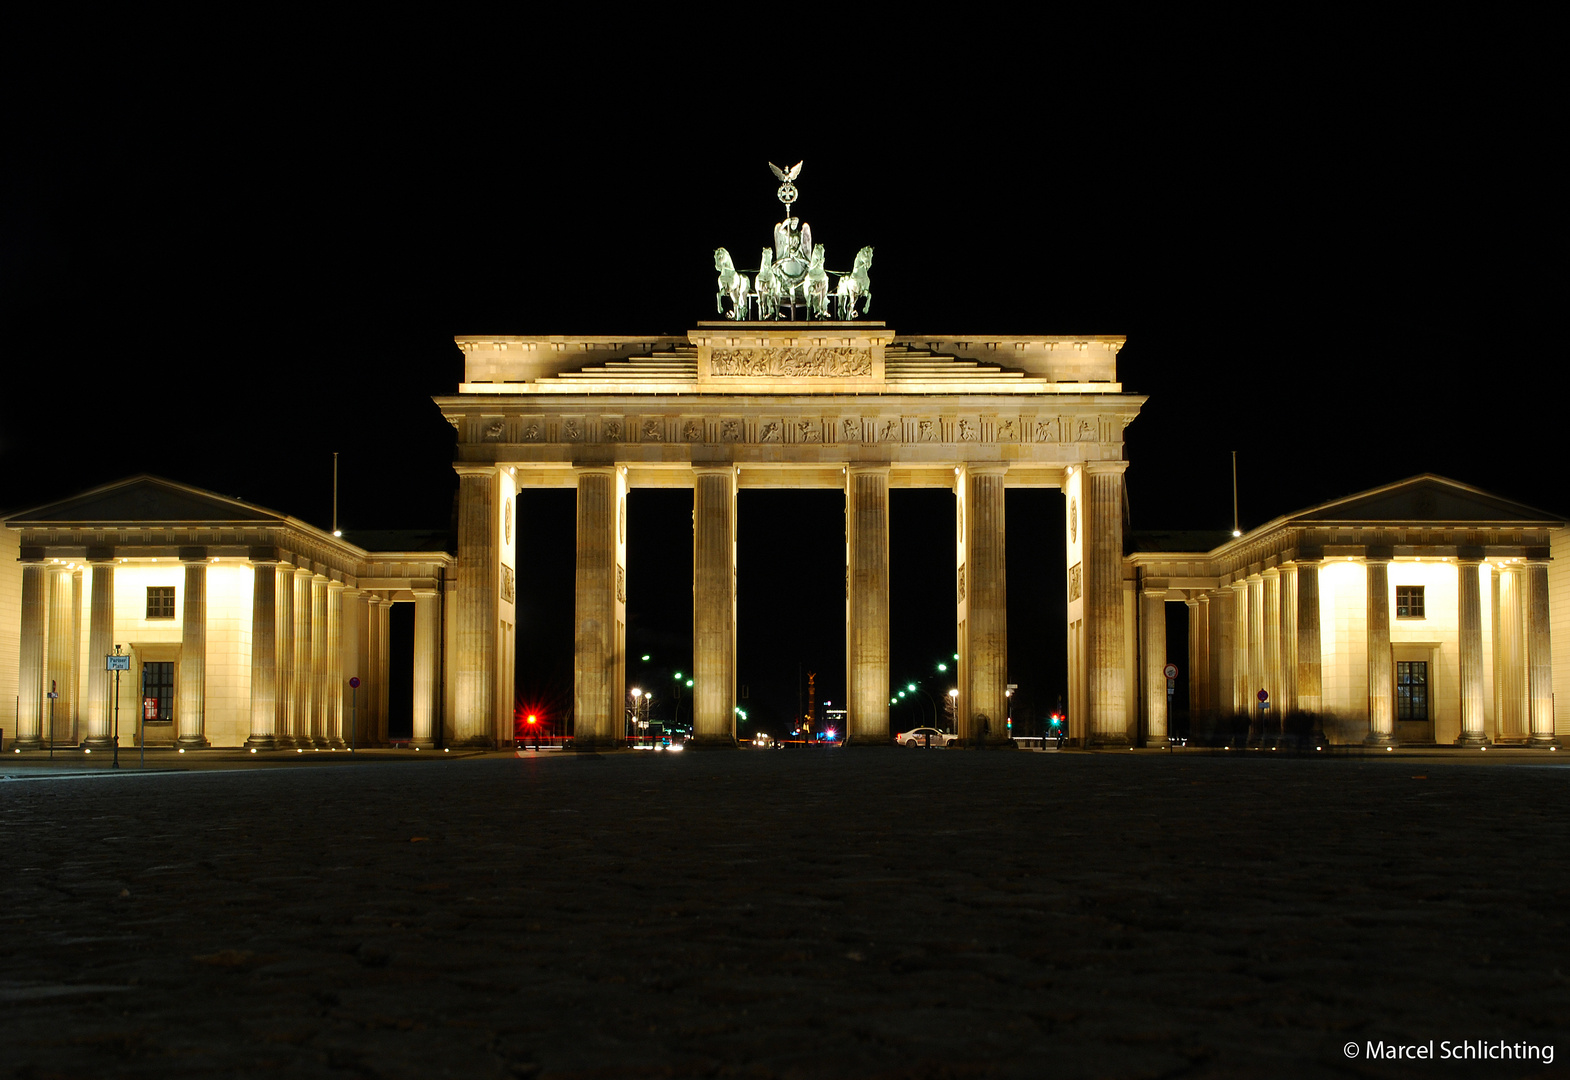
[(1160, 743), (1115, 741), (1543, 742), (260, 742), (473, 742), (192, 742), (337, 744), (28, 742), (1473, 741), (1379, 738), (712, 742), (98, 742)]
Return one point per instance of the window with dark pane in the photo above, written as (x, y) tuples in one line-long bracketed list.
[(1411, 689), (158, 689), (160, 601), (1409, 602)]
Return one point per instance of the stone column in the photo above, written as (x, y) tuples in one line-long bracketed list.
[(1470, 616), (190, 699), (360, 610), (1106, 669), (1242, 671), (867, 605), (1381, 681), (283, 725), (60, 647), (1153, 649), (32, 711), (1223, 656), (599, 615), (479, 606), (1511, 672), (304, 673), (1310, 688), (264, 655), (1270, 675), (318, 682), (1286, 676), (1258, 662), (1539, 667), (983, 654), (100, 643), (1198, 657), (334, 680), (383, 670), (73, 709), (424, 667), (714, 606)]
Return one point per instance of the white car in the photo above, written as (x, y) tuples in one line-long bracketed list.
[(923, 737)]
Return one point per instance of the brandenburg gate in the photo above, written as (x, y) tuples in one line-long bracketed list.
[(828, 404), (783, 394)]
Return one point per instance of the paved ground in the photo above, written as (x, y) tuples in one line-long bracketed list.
[(899, 914)]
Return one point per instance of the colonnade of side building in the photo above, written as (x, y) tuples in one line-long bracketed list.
[(1260, 628), (600, 584)]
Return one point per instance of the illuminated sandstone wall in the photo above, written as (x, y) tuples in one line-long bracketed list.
[(1559, 626), (10, 627)]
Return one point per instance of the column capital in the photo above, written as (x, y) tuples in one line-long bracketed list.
[(1378, 553), (985, 468), (1154, 594), (1462, 560), (883, 467), (709, 468), (1105, 467), (601, 470), (193, 555), (476, 470), (1270, 572), (333, 583), (429, 594)]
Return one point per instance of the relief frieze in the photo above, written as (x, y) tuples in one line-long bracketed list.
[(793, 362)]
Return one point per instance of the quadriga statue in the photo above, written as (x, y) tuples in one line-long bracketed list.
[(855, 287)]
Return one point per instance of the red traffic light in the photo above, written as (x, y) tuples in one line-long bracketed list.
[(532, 719)]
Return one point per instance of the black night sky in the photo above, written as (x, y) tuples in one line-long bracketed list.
[(1339, 270)]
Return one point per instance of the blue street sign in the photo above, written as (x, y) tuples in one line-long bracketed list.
[(117, 663)]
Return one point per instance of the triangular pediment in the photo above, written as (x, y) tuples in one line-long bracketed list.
[(144, 500), (1424, 499)]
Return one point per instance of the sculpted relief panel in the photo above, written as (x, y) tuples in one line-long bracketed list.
[(793, 362)]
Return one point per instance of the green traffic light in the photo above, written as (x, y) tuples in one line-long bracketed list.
[(943, 667)]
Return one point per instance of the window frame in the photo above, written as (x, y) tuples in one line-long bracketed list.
[(1404, 696), (1419, 610), (160, 591)]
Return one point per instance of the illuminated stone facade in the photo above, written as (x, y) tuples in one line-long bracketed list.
[(242, 625), (1422, 612), (848, 406)]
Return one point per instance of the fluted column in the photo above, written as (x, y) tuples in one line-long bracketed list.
[(479, 606), (100, 643), (191, 694), (304, 675), (424, 667), (1223, 653), (58, 681), (73, 709), (32, 712), (1381, 706), (383, 616), (264, 655), (1539, 664), (714, 606), (1242, 673), (1470, 615), (1286, 671), (283, 725), (1153, 652), (1511, 673), (318, 680), (1258, 662), (982, 718), (1270, 638), (335, 679), (1198, 657), (867, 605), (1106, 666), (599, 613), (1310, 660), (360, 610)]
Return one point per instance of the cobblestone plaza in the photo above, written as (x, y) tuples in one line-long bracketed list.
[(780, 914)]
